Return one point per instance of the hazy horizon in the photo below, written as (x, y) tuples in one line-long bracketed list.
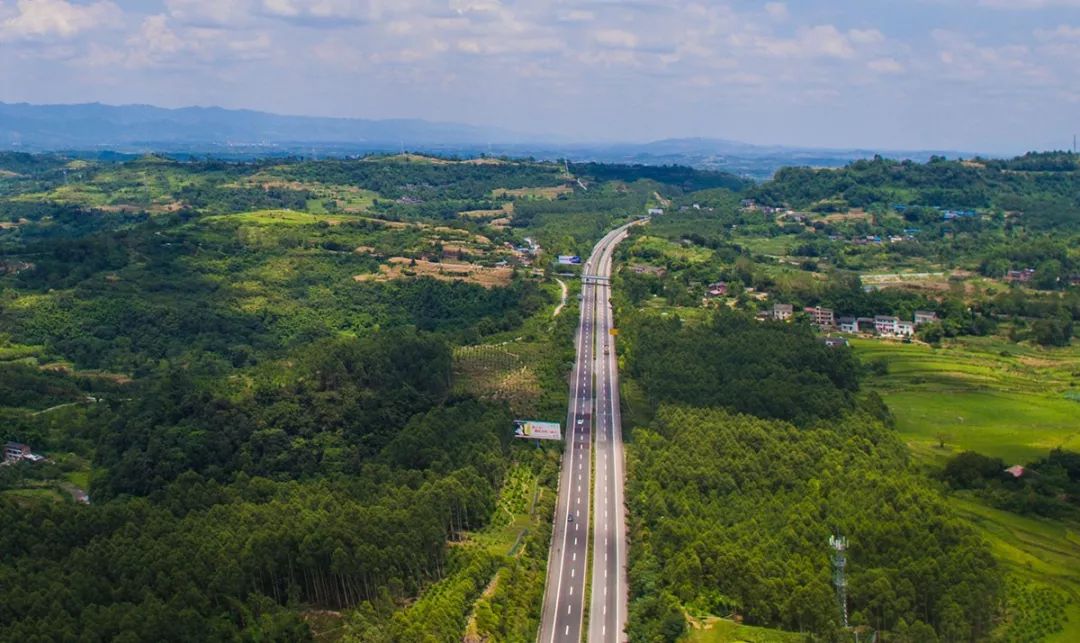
[(974, 75)]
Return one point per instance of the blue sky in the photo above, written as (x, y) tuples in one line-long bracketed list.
[(972, 75)]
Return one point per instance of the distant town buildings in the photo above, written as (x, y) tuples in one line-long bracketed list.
[(883, 325)]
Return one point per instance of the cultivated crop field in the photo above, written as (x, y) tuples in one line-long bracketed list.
[(1006, 400)]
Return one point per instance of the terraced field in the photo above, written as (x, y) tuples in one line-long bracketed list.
[(1012, 401)]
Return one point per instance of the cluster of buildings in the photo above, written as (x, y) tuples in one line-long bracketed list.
[(17, 452), (884, 325), (522, 255), (750, 204), (946, 213), (1020, 276)]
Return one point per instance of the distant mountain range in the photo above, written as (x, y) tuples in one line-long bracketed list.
[(95, 126), (246, 134)]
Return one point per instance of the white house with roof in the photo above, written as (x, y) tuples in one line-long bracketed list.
[(885, 325)]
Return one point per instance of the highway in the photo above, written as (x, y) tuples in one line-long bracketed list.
[(590, 402)]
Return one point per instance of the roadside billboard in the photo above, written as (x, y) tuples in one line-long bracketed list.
[(535, 430)]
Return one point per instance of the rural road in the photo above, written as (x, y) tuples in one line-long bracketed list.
[(564, 595)]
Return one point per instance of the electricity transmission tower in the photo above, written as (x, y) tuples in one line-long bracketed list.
[(839, 562)]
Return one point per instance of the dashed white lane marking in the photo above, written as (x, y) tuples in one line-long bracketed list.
[(571, 572), (568, 609), (575, 556), (567, 633), (571, 590)]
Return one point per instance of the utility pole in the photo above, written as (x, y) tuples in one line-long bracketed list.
[(839, 562)]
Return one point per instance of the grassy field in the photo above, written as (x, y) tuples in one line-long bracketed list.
[(281, 217), (716, 630), (646, 246), (34, 494), (774, 246), (999, 399)]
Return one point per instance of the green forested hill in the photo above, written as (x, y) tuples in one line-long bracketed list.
[(250, 369), (731, 514)]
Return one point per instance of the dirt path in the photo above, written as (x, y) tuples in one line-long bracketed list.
[(562, 303)]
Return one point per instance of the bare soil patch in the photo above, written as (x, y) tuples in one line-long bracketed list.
[(403, 267), (536, 193)]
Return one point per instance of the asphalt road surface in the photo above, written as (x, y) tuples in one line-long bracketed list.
[(564, 594)]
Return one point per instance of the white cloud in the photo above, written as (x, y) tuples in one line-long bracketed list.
[(210, 12), (885, 66), (162, 43), (1028, 4), (477, 6), (616, 38), (1062, 32), (47, 19), (866, 36), (321, 10), (777, 10), (575, 15), (820, 41)]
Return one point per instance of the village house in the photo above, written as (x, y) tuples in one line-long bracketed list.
[(821, 316), (925, 317), (905, 329), (782, 312), (885, 325), (835, 342), (1020, 276), (14, 451), (849, 325), (718, 289), (655, 212)]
